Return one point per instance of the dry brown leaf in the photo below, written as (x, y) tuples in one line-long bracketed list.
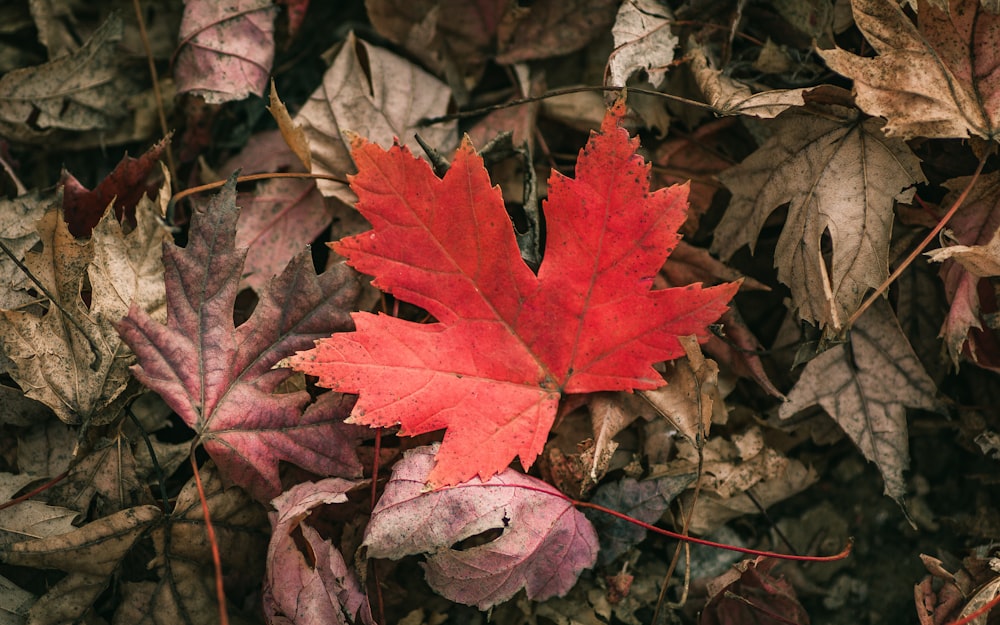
[(108, 472), (78, 366), (381, 97), (981, 261), (46, 449), (840, 178), (643, 42), (866, 386), (29, 520), (81, 91), (731, 97), (608, 416), (15, 602), (18, 234), (293, 134), (937, 81), (691, 395)]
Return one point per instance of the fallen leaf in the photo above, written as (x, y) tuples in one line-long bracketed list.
[(750, 593), (935, 81), (544, 543), (45, 448), (643, 42), (313, 589), (981, 261), (107, 472), (975, 224), (225, 49), (15, 602), (218, 377), (18, 234), (29, 520), (728, 96), (123, 188), (645, 500), (508, 343), (373, 92), (90, 554), (77, 364), (294, 135), (84, 90), (840, 178), (866, 386), (608, 417)]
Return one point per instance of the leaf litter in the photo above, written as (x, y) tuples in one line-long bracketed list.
[(760, 440)]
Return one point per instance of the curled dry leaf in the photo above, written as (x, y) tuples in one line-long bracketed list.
[(85, 90), (219, 379), (643, 42), (371, 91), (543, 546), (935, 81), (866, 388), (226, 49), (314, 589), (508, 343), (981, 261), (293, 134), (731, 97), (840, 178)]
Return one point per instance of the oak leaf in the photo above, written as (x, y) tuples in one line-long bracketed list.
[(935, 81), (840, 178), (544, 544), (218, 377), (508, 343), (866, 388)]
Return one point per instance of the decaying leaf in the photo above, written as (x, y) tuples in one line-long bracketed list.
[(293, 134), (381, 96), (866, 386), (731, 97), (938, 80), (508, 343), (313, 589), (218, 377), (981, 261), (225, 49), (643, 41), (29, 520), (750, 593), (84, 90), (18, 234), (77, 364), (543, 546), (840, 178)]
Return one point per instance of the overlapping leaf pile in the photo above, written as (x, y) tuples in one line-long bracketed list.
[(342, 431)]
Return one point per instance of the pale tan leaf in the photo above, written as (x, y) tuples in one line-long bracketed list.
[(381, 97), (983, 595), (643, 41), (293, 134), (691, 395), (608, 416), (14, 603), (840, 179), (18, 234), (84, 90), (935, 81), (68, 600), (77, 364), (981, 261), (29, 520), (866, 388), (731, 97)]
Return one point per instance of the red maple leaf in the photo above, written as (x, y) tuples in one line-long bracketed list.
[(219, 378), (508, 343)]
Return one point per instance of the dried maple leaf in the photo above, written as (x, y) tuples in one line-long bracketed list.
[(839, 178), (936, 81), (508, 342), (643, 41), (866, 387), (218, 377), (226, 49), (544, 544), (71, 358)]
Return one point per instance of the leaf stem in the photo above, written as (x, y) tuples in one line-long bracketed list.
[(28, 495), (220, 591), (923, 244)]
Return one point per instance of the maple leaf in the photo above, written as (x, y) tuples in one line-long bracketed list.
[(866, 390), (545, 541), (937, 81), (508, 342), (218, 377), (643, 41), (839, 178), (225, 48)]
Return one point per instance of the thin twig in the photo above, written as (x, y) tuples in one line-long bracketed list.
[(157, 94)]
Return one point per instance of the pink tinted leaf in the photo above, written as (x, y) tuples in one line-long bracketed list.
[(544, 544), (226, 49), (296, 592), (219, 378)]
